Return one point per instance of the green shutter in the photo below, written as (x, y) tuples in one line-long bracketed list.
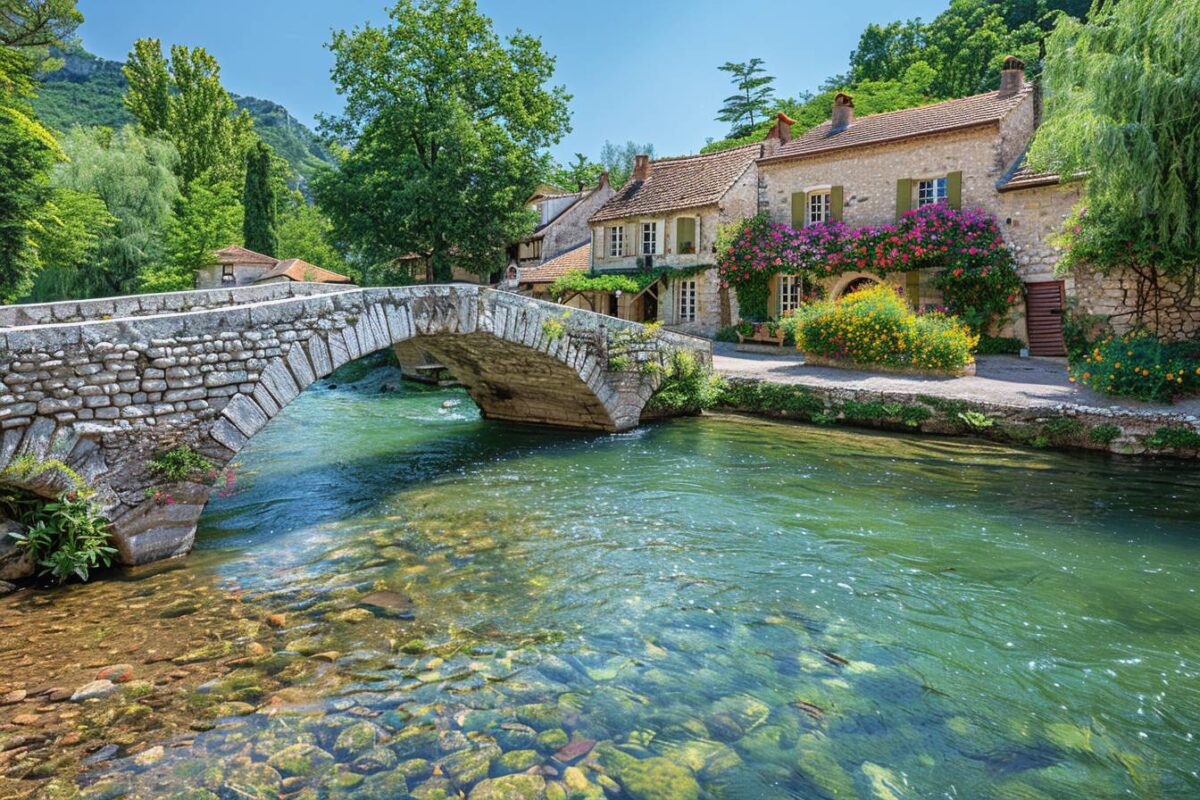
[(954, 189), (798, 202), (912, 287), (903, 196), (835, 204)]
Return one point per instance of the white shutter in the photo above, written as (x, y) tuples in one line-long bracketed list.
[(699, 237), (631, 235), (660, 233)]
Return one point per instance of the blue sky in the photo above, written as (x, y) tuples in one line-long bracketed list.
[(638, 69)]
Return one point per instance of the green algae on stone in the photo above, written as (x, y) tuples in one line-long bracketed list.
[(510, 787), (356, 739), (468, 766), (552, 740), (300, 760), (515, 761)]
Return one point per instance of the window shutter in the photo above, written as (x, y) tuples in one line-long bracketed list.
[(632, 246), (798, 207), (903, 196), (835, 204), (954, 190), (699, 240), (660, 233), (912, 287)]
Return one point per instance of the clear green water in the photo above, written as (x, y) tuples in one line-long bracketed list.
[(767, 610)]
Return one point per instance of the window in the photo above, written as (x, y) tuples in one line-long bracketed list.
[(818, 208), (930, 192), (227, 273), (685, 235), (616, 241), (687, 301), (649, 238), (791, 289)]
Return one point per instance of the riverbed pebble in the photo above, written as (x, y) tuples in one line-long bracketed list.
[(97, 688)]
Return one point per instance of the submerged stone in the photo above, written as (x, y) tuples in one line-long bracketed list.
[(510, 787), (389, 604), (468, 766), (515, 761), (300, 760), (356, 739)]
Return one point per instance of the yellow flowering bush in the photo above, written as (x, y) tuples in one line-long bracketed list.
[(876, 326), (1140, 366)]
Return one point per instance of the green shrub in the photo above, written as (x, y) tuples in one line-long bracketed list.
[(1141, 367), (876, 326), (727, 334), (67, 537), (1063, 429), (1104, 434), (1177, 438), (620, 363), (179, 464), (688, 386), (975, 420), (761, 396), (999, 345), (554, 329)]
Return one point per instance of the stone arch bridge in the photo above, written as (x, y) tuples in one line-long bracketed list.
[(105, 385)]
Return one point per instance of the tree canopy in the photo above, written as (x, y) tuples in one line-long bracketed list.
[(1123, 107), (444, 125), (753, 97), (259, 203)]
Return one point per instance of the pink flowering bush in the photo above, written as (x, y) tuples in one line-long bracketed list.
[(978, 280)]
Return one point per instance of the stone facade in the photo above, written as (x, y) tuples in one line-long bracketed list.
[(570, 228), (107, 394), (1170, 311)]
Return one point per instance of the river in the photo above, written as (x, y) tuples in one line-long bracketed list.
[(395, 596)]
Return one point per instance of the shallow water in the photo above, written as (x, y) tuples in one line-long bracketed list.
[(729, 607)]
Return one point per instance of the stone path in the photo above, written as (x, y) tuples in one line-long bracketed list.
[(1002, 380)]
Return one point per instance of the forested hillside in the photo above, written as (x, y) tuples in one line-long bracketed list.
[(87, 91)]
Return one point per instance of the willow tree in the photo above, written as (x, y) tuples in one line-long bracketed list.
[(1123, 114), (444, 129)]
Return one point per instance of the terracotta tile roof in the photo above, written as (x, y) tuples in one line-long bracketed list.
[(578, 259), (1025, 178), (678, 183), (951, 115), (297, 270), (236, 254)]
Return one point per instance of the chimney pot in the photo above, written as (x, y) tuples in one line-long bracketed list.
[(641, 167), (1012, 76), (843, 112), (604, 178)]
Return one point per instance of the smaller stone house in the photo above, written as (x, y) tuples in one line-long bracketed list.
[(968, 153), (665, 218), (562, 222), (237, 266)]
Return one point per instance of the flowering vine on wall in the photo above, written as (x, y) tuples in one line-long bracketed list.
[(978, 280)]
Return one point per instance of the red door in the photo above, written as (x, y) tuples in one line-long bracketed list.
[(1044, 317)]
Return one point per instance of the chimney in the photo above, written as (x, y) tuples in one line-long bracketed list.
[(843, 112), (641, 167), (1012, 76), (603, 180), (780, 134)]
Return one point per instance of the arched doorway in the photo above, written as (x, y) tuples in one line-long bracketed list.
[(854, 283)]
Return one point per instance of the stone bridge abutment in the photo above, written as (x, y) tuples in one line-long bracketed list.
[(106, 385)]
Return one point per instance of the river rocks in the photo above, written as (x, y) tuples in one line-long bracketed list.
[(15, 560), (7, 588), (300, 760), (95, 689), (149, 757), (375, 760), (356, 739), (510, 787), (515, 761), (352, 615), (517, 736), (117, 673), (180, 608), (306, 645), (13, 697), (254, 780), (468, 766), (388, 604), (574, 751), (276, 621), (208, 652), (551, 740), (654, 778)]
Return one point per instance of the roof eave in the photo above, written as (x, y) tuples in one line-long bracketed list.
[(879, 143)]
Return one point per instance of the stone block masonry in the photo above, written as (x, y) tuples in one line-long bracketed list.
[(210, 369)]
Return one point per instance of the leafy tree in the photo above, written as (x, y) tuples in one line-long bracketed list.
[(617, 159), (1122, 93), (580, 172), (134, 176), (258, 202), (443, 123), (183, 100), (205, 221), (306, 233), (753, 99), (27, 150), (67, 237), (884, 52)]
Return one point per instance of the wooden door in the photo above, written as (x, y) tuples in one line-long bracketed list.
[(1044, 317)]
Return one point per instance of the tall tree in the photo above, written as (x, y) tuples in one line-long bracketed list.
[(618, 159), (205, 221), (183, 100), (258, 202), (753, 99), (67, 237), (580, 172), (27, 149), (134, 176), (443, 123), (305, 233), (1123, 106)]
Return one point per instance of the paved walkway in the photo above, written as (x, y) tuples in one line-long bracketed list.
[(1003, 380)]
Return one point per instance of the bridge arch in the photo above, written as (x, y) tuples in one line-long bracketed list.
[(210, 369)]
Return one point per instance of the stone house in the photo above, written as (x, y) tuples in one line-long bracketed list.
[(968, 153), (562, 222), (665, 218), (237, 266)]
